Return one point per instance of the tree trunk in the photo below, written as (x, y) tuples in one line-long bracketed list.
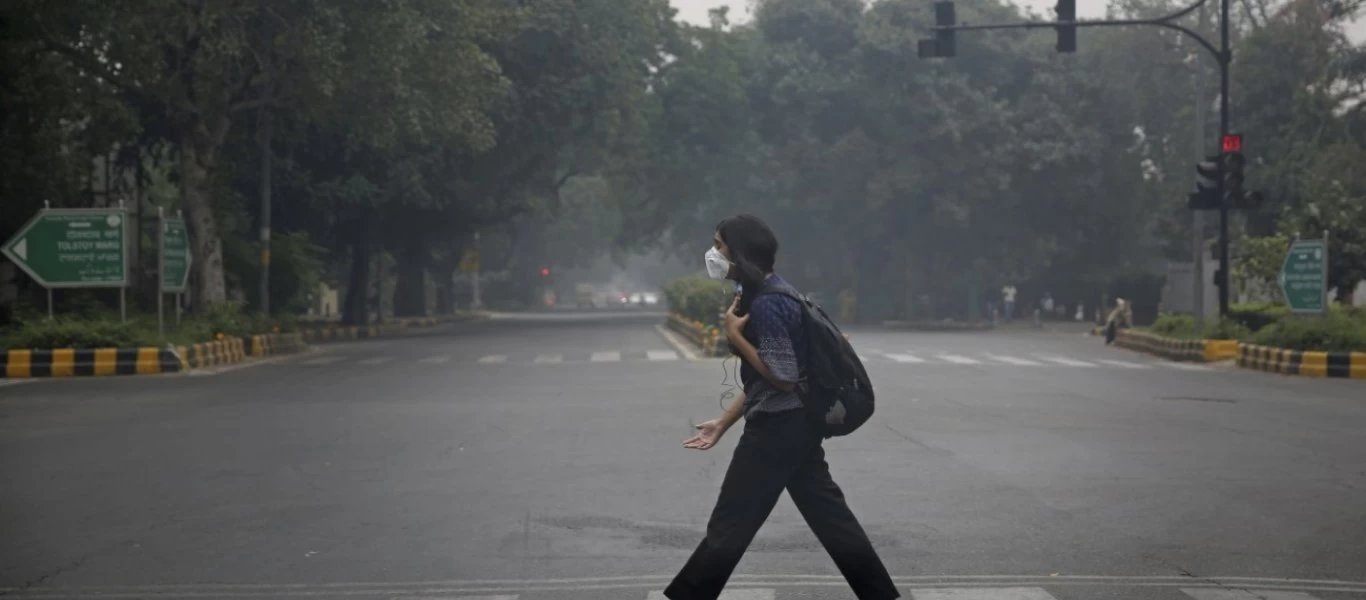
[(410, 290), (196, 171), (355, 309)]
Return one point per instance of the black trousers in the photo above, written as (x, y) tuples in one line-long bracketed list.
[(780, 451)]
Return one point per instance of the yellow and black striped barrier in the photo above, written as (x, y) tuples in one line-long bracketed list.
[(77, 362), (212, 354), (1345, 365), (1177, 349)]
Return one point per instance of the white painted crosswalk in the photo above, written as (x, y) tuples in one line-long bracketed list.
[(912, 358), (740, 591)]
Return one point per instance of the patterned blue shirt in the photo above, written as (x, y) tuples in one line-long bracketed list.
[(775, 329)]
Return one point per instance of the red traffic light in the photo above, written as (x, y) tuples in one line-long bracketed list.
[(1232, 142), (545, 271)]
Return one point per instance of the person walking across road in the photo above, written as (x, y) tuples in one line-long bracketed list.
[(780, 447)]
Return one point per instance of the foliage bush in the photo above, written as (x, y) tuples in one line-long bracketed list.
[(101, 330), (1183, 327), (1256, 316), (1339, 331), (698, 298)]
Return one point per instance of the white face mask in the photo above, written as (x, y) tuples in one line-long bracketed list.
[(717, 265)]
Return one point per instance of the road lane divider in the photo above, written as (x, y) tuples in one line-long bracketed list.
[(24, 363), (1338, 365), (1177, 349)]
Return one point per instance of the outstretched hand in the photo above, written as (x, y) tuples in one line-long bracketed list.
[(708, 434)]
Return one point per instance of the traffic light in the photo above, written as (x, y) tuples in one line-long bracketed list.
[(1067, 34), (1206, 195), (944, 44), (545, 271), (1233, 177)]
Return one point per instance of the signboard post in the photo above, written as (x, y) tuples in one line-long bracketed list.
[(173, 266), (74, 248), (1304, 276)]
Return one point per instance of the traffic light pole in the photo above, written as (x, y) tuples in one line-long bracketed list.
[(1225, 57), (1222, 54)]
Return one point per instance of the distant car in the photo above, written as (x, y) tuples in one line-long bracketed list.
[(650, 298), (635, 298)]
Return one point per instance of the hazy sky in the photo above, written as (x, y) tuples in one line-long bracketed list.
[(695, 11)]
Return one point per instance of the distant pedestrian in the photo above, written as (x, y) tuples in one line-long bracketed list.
[(780, 448), (1008, 296)]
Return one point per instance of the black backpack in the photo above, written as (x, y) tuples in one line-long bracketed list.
[(834, 388)]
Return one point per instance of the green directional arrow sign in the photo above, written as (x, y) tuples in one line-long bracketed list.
[(1302, 276), (175, 256), (73, 248)]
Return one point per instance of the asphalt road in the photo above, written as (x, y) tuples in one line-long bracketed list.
[(540, 457)]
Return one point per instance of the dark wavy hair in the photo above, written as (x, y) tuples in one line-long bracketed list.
[(753, 251)]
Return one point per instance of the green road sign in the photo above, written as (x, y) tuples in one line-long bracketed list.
[(73, 248), (1302, 276), (175, 256)]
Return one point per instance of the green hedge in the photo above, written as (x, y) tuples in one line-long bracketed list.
[(1343, 329), (1339, 331), (104, 330), (698, 298), (1183, 327)]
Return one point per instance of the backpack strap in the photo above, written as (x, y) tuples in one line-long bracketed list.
[(782, 290)]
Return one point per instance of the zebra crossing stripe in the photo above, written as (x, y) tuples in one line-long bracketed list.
[(1011, 360), (982, 593), (1244, 594), (1185, 366), (492, 360), (745, 594), (905, 358), (606, 357), (1067, 361), (662, 355), (959, 359), (1120, 363), (549, 359)]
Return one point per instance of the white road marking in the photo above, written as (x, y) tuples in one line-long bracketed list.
[(1244, 594), (1120, 363), (1184, 366), (377, 360), (606, 357), (1067, 361), (493, 360), (434, 360), (674, 340), (426, 597), (748, 594), (905, 358), (958, 359), (1011, 360), (661, 355), (549, 359), (8, 382), (325, 360), (983, 593)]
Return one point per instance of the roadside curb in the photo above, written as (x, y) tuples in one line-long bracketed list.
[(1177, 349), (327, 332), (708, 342), (146, 360), (1337, 365), (938, 326)]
